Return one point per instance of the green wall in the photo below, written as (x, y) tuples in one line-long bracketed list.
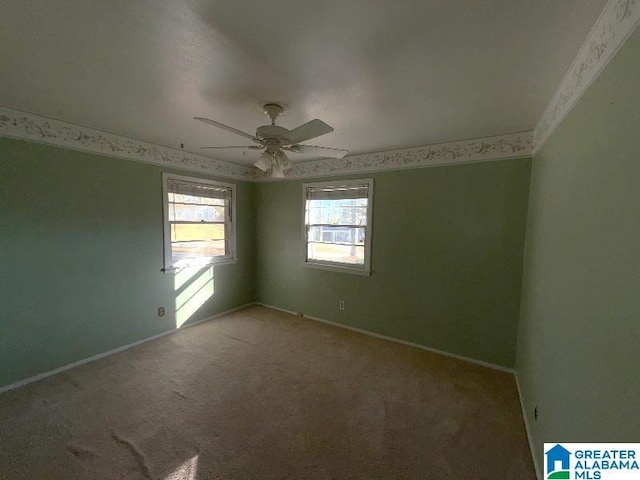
[(81, 253), (579, 339), (446, 258)]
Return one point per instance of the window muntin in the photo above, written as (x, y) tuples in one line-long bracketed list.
[(337, 224), (199, 227)]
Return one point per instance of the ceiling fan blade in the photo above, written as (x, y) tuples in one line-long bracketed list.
[(315, 150), (249, 147), (227, 128), (312, 129)]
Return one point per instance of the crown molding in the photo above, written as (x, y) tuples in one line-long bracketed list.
[(35, 128), (501, 147), (618, 20)]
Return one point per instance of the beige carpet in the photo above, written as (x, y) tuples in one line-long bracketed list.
[(263, 394)]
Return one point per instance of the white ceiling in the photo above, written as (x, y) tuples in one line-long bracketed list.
[(385, 74)]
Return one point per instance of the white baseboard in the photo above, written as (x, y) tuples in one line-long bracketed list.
[(40, 376), (396, 340), (527, 428)]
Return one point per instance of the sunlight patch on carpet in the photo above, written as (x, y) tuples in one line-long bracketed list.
[(187, 471)]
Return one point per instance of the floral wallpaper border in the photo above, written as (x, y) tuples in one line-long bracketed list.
[(31, 127), (27, 126), (478, 150), (618, 20)]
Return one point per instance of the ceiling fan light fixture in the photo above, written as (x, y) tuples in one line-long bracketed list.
[(277, 171), (284, 161), (264, 162)]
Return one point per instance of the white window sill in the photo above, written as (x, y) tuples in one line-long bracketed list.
[(227, 261), (338, 267)]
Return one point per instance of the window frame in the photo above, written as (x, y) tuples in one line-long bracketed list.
[(364, 269), (230, 221)]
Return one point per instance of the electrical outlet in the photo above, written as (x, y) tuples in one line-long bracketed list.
[(341, 305), (535, 412), (161, 311)]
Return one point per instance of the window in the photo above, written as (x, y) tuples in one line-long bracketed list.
[(337, 225), (199, 224)]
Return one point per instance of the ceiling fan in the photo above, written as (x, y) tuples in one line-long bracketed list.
[(276, 140)]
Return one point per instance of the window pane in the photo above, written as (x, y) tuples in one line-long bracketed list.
[(205, 248), (195, 213), (336, 253), (349, 212), (180, 198), (197, 231), (338, 234), (349, 202)]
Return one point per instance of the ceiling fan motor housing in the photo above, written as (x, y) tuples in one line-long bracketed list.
[(268, 132)]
